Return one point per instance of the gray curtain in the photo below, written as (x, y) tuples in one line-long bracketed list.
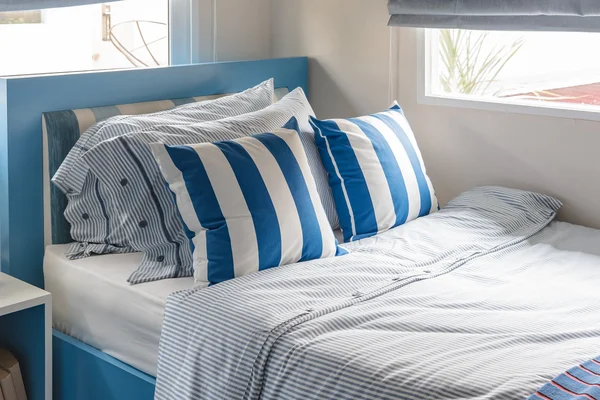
[(514, 15), (23, 5)]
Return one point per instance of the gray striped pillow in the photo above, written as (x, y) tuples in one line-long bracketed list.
[(146, 205), (96, 225)]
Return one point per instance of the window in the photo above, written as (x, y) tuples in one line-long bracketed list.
[(126, 34), (21, 17), (539, 72)]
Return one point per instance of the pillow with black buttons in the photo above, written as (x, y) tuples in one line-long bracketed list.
[(95, 223), (147, 208)]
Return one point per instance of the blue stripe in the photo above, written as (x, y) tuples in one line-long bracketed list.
[(218, 242), (577, 387), (292, 124), (554, 393), (534, 397), (391, 169), (585, 376), (335, 183), (62, 129), (312, 246), (414, 161), (258, 199), (102, 113), (356, 189), (595, 368), (396, 107)]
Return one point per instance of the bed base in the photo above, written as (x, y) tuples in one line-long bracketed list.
[(84, 372)]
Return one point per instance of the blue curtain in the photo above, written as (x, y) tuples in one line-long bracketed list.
[(514, 15), (21, 5)]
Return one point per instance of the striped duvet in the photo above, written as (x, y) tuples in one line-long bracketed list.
[(476, 301)]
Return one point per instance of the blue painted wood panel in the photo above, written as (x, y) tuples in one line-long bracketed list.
[(83, 372), (23, 99), (22, 333)]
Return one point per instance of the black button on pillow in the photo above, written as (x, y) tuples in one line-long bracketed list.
[(143, 224), (85, 216), (160, 258), (124, 182)]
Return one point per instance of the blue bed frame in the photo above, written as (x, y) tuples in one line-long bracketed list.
[(80, 371)]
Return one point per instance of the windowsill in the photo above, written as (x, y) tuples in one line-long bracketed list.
[(591, 113)]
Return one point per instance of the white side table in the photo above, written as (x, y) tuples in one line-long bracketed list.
[(26, 331)]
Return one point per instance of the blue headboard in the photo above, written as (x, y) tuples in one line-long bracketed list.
[(24, 99)]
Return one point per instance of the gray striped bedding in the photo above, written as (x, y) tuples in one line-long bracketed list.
[(476, 301), (146, 207), (96, 225)]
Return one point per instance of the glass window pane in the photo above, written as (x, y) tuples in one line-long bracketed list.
[(126, 34), (550, 67)]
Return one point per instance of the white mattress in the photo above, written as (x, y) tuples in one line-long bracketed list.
[(92, 302)]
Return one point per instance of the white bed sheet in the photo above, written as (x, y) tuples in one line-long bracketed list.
[(92, 302)]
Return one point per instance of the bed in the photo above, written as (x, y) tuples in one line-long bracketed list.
[(487, 299), (31, 213), (88, 299)]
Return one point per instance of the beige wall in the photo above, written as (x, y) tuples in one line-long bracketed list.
[(243, 29), (349, 46)]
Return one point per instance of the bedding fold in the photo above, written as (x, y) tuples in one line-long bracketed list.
[(309, 330)]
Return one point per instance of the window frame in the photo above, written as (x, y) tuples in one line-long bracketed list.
[(192, 31), (192, 34), (425, 95)]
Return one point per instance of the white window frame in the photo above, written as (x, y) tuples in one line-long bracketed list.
[(192, 31), (425, 95)]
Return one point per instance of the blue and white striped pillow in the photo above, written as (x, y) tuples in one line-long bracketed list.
[(251, 203), (376, 172), (146, 210)]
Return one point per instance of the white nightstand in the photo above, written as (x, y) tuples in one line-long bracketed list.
[(26, 331)]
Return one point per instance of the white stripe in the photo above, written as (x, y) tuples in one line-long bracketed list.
[(200, 257), (408, 173), (145, 108), (292, 139), (287, 214), (377, 183), (244, 244), (403, 122), (85, 118), (174, 178)]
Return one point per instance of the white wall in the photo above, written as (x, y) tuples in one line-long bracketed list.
[(349, 45)]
